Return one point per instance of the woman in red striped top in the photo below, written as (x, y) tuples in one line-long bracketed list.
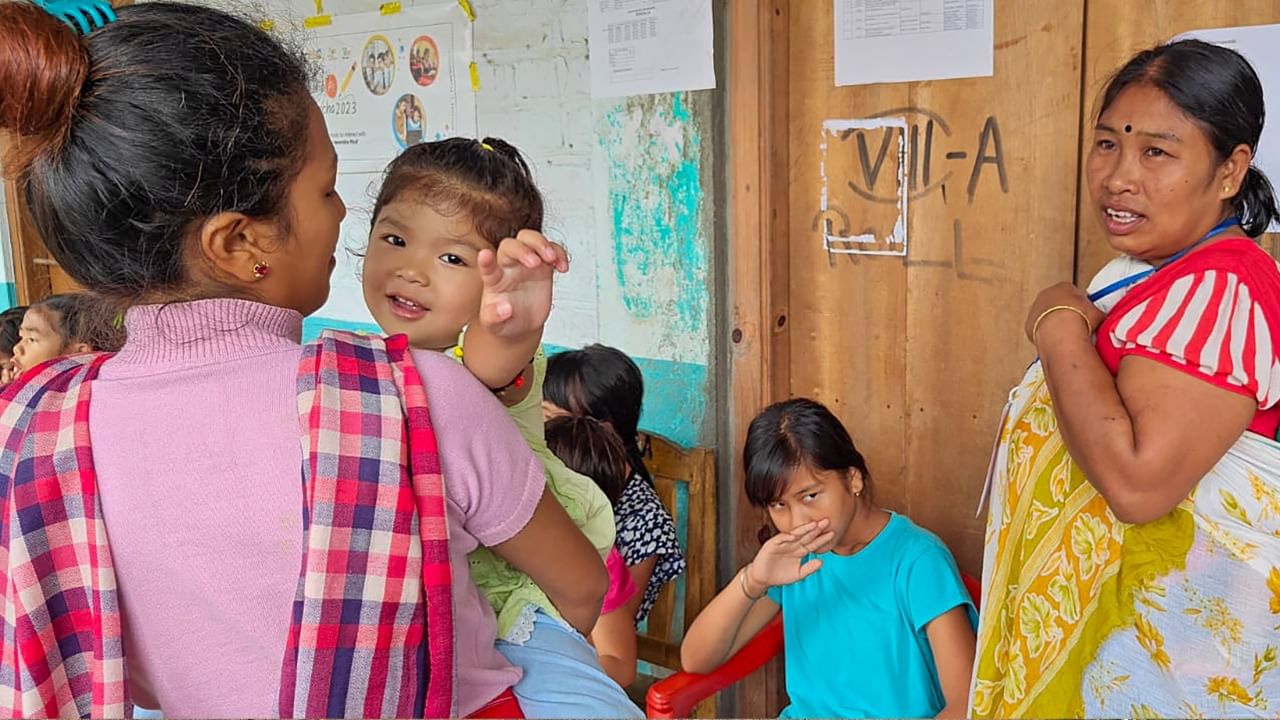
[(1186, 361), (1133, 541)]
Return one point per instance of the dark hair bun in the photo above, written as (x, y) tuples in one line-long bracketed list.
[(43, 66)]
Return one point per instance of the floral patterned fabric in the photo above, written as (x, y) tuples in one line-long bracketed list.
[(1086, 616)]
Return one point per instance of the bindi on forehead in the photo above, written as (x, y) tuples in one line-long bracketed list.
[(1128, 129)]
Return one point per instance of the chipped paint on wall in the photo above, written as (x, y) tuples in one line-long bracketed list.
[(659, 218)]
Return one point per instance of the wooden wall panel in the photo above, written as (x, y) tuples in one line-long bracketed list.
[(1116, 30), (917, 354), (848, 313), (1004, 231), (756, 101)]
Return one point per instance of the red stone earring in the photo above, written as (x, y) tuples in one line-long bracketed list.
[(261, 270)]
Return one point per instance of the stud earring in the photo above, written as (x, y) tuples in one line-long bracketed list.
[(1226, 189), (261, 270)]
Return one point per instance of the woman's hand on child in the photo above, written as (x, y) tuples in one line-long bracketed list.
[(517, 283), (780, 560)]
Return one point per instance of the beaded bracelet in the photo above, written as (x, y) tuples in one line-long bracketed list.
[(517, 382)]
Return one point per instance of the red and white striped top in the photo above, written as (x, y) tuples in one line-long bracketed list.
[(1209, 321)]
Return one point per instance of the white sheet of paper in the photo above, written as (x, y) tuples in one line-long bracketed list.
[(887, 41), (1260, 45), (641, 47)]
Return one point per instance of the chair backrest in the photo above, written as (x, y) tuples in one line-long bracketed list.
[(685, 480)]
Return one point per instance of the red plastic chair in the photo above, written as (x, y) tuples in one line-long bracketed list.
[(676, 696), (503, 707)]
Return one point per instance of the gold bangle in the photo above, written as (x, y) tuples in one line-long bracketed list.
[(742, 583), (1035, 329)]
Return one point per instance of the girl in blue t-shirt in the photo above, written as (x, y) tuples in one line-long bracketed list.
[(876, 618)]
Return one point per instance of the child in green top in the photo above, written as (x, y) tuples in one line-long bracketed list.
[(457, 263)]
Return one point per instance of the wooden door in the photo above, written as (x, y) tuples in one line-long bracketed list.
[(1116, 30), (917, 353), (36, 274)]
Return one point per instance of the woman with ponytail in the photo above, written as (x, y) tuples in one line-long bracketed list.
[(219, 520), (1133, 544)]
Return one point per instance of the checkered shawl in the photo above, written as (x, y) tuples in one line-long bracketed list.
[(372, 631)]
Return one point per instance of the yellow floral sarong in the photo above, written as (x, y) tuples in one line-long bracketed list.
[(1086, 616)]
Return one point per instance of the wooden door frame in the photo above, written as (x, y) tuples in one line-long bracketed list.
[(758, 260), (26, 251)]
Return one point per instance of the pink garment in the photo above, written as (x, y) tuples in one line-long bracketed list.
[(621, 587), (197, 446)]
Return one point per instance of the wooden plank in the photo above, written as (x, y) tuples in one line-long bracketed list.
[(61, 282), (702, 534), (31, 280), (1118, 29), (848, 312), (702, 589), (981, 249), (757, 90), (655, 651)]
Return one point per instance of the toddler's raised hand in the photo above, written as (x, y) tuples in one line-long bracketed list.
[(779, 560), (517, 283)]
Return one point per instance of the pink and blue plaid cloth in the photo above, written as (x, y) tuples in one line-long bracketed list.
[(372, 631)]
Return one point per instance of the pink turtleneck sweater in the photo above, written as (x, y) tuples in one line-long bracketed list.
[(196, 442)]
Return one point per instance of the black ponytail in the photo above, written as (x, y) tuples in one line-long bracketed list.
[(1256, 204), (508, 151), (603, 383)]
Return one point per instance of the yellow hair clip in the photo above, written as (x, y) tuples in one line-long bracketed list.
[(486, 146)]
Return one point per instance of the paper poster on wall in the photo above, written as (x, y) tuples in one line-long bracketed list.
[(889, 41), (641, 47), (1260, 45), (386, 82)]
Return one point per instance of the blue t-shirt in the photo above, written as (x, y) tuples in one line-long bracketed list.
[(855, 630)]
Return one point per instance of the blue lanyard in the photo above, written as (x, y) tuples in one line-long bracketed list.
[(1136, 277)]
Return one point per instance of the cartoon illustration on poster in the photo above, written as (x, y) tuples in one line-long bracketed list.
[(390, 81)]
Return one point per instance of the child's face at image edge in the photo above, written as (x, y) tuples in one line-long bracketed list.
[(810, 496), (40, 340), (421, 276)]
